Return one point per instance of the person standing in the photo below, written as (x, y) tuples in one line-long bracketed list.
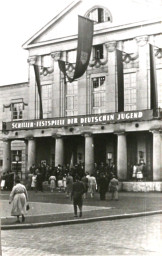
[(39, 181), (103, 186), (18, 198), (52, 180), (69, 184), (113, 188), (34, 182), (77, 196), (92, 185)]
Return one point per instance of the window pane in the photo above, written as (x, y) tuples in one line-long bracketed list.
[(17, 110)]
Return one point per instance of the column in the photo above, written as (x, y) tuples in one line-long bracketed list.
[(31, 152), (89, 153), (157, 155), (121, 156), (111, 78), (6, 155), (59, 150), (142, 74)]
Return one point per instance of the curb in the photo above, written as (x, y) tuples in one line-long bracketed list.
[(78, 221)]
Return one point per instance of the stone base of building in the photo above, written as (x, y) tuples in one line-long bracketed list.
[(141, 186)]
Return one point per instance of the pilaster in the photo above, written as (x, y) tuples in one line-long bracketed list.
[(56, 87), (6, 155), (111, 80), (142, 74)]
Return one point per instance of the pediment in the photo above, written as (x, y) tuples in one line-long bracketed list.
[(65, 25)]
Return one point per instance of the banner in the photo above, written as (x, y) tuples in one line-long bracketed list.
[(120, 80), (153, 82), (85, 36), (36, 70)]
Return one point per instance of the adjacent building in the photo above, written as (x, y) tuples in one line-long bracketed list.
[(81, 121)]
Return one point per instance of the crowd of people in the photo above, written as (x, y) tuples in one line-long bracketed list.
[(62, 178)]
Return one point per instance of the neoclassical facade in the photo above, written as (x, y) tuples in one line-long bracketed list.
[(81, 122)]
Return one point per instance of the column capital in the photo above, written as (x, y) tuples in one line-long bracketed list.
[(111, 46), (32, 60), (122, 132), (87, 134), (29, 138), (56, 55), (6, 140), (56, 136), (156, 131), (142, 40)]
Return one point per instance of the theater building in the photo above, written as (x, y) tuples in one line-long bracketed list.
[(81, 121)]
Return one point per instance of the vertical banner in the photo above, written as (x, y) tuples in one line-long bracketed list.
[(120, 80), (36, 70), (153, 82), (85, 37)]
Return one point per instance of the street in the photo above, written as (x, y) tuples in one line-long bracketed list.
[(135, 236)]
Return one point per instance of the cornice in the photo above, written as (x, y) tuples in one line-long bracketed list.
[(100, 31)]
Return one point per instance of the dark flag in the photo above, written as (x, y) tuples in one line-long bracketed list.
[(85, 36), (120, 80), (153, 82), (36, 70)]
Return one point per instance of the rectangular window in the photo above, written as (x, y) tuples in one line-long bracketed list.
[(17, 111), (47, 100), (16, 160), (72, 99), (130, 92), (98, 85), (98, 52)]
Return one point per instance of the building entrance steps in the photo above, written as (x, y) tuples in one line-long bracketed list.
[(47, 209)]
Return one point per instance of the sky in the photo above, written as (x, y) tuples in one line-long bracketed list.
[(19, 20)]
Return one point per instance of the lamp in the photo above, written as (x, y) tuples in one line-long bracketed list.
[(17, 162), (141, 154), (109, 157)]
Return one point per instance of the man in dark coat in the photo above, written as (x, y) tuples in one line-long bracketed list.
[(78, 190), (103, 186)]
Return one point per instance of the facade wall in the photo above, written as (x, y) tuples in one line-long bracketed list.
[(89, 142)]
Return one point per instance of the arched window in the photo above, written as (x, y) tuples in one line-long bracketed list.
[(99, 14)]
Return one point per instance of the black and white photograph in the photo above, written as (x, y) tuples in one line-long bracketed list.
[(81, 128)]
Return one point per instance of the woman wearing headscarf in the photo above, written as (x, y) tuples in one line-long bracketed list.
[(18, 198)]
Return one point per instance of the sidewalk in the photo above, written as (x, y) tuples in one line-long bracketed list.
[(55, 209)]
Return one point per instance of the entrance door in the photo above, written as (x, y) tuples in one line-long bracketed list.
[(99, 149), (131, 154)]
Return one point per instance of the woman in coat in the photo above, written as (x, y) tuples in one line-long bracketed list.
[(18, 198)]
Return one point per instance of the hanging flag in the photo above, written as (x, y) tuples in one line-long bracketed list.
[(85, 36), (120, 80), (153, 82), (36, 70)]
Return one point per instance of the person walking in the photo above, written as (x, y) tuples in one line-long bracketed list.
[(85, 182), (78, 190), (18, 198), (113, 188)]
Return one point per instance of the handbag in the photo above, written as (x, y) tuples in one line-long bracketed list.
[(27, 207)]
